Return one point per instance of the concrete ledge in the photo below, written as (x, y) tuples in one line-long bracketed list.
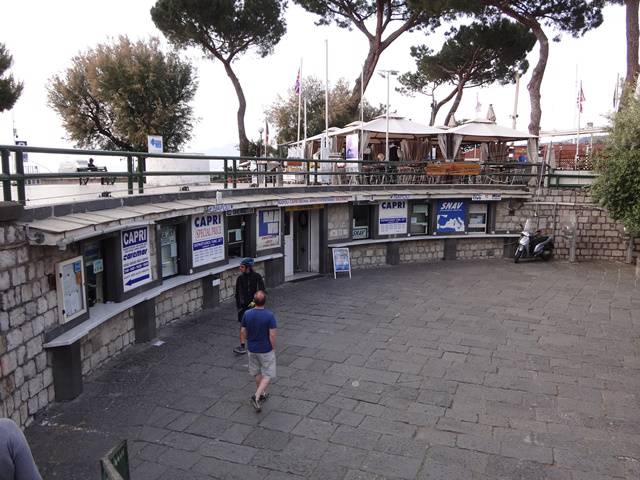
[(371, 241), (103, 312)]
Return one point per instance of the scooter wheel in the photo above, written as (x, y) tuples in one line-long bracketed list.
[(517, 256), (547, 255)]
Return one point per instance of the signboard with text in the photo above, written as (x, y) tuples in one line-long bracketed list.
[(451, 216), (341, 261), (136, 263), (392, 217), (207, 238), (268, 228)]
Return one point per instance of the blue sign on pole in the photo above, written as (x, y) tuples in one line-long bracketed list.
[(451, 216)]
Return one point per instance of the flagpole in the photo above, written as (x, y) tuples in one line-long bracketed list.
[(326, 102), (578, 131), (299, 98), (361, 116)]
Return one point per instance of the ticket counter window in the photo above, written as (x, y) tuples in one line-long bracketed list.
[(361, 222), (169, 250), (477, 218), (419, 219), (236, 235), (94, 272)]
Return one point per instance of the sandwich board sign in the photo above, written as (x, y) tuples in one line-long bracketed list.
[(341, 261)]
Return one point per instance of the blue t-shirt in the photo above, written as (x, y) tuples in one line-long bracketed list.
[(258, 321)]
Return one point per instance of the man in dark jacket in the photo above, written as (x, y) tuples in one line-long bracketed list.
[(247, 284)]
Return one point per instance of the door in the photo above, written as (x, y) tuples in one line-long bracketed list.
[(301, 241), (288, 244)]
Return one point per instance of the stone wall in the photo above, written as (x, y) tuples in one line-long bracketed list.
[(228, 280), (421, 251), (598, 238), (479, 248), (28, 307), (368, 256), (339, 221), (106, 341), (178, 303)]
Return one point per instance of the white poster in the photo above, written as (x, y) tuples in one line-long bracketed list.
[(154, 144), (268, 223), (392, 217), (71, 289), (136, 264), (352, 152), (207, 238)]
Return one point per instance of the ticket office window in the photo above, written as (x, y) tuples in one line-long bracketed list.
[(478, 218), (94, 272), (361, 225), (169, 256), (237, 238), (419, 218)]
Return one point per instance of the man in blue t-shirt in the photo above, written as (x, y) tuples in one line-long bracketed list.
[(259, 332)]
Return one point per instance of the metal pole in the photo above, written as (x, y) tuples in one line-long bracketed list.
[(361, 156), (386, 155), (235, 170), (326, 107), (140, 174), (6, 169), (299, 98), (515, 102), (20, 182), (130, 176)]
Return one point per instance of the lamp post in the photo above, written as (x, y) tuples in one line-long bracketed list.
[(386, 74)]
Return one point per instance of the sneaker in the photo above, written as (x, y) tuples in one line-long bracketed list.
[(240, 350), (256, 403), (264, 397)]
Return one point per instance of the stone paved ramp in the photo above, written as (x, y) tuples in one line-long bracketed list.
[(465, 370)]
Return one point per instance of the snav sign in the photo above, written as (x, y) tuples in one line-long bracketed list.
[(451, 216), (207, 238), (392, 217), (136, 264)]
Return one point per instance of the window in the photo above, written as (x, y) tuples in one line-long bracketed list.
[(94, 272), (419, 218), (477, 218), (169, 250), (361, 222), (236, 235)]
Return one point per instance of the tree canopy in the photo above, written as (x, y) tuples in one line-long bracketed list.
[(114, 95), (473, 55), (618, 186), (10, 89), (224, 30), (283, 113)]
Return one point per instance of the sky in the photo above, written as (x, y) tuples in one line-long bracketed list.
[(43, 37)]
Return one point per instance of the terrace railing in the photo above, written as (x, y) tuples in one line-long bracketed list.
[(238, 171)]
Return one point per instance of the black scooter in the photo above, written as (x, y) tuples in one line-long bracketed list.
[(532, 245)]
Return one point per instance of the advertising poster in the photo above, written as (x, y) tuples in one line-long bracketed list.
[(268, 229), (392, 217), (207, 238), (352, 151), (70, 273), (136, 266), (341, 261), (451, 216)]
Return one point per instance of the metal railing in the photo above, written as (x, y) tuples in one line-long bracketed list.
[(237, 170)]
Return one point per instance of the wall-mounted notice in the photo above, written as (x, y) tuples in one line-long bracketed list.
[(71, 289), (451, 216), (268, 229), (207, 238), (392, 217), (136, 264)]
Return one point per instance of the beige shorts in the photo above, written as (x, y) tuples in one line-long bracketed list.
[(263, 363)]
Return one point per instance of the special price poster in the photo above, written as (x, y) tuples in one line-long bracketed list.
[(207, 238)]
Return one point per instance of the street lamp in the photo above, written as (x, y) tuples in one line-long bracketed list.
[(386, 74)]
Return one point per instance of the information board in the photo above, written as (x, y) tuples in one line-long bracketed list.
[(268, 228), (341, 261), (71, 289), (207, 238), (136, 264), (392, 217), (451, 216)]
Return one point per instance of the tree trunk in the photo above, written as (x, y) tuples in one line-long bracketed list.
[(368, 69), (632, 44), (536, 79), (243, 141), (436, 106), (456, 103)]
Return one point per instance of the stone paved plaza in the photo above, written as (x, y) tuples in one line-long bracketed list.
[(452, 370)]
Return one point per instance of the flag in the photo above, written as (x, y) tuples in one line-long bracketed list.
[(297, 86), (581, 99)]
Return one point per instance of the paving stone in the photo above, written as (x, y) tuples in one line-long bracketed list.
[(268, 439), (389, 427), (228, 470), (324, 412), (347, 417), (284, 462), (227, 451), (391, 465), (344, 455), (284, 422), (236, 433), (183, 441), (208, 426), (179, 459), (296, 406)]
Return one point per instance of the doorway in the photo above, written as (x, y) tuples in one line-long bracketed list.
[(302, 243)]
